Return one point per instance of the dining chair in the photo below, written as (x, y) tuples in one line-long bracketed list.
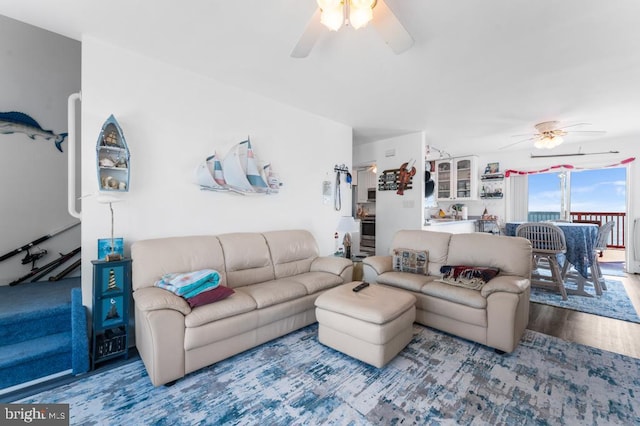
[(547, 241), (604, 232)]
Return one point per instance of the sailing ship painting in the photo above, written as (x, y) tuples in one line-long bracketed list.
[(239, 171)]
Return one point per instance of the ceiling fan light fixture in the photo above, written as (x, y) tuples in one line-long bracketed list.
[(329, 4), (363, 4), (332, 18), (548, 142), (357, 13), (360, 16)]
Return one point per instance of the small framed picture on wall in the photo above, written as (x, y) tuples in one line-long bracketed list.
[(492, 168)]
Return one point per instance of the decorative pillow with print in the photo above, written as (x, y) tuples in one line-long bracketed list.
[(414, 261), (472, 277)]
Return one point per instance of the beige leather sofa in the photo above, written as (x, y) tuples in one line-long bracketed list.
[(276, 277), (496, 315)]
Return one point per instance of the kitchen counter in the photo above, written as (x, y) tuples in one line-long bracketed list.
[(450, 225)]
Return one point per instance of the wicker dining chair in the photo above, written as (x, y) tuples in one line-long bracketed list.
[(604, 233), (547, 241)]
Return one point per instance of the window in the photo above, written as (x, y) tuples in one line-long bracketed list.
[(567, 194)]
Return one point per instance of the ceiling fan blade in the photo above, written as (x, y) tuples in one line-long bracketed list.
[(516, 143), (390, 28), (573, 125), (525, 134), (309, 37), (601, 132)]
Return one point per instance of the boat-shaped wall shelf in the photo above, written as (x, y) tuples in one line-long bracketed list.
[(112, 156)]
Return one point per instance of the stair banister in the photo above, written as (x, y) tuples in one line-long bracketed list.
[(71, 176)]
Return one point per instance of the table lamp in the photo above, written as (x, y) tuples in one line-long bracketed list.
[(108, 199)]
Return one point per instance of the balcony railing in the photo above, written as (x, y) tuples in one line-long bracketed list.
[(616, 239)]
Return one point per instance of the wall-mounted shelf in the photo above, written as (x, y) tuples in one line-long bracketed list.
[(492, 186), (112, 157), (492, 176)]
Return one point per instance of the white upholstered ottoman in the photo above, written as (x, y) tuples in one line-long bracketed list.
[(373, 325)]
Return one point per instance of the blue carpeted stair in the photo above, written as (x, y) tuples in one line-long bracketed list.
[(43, 331)]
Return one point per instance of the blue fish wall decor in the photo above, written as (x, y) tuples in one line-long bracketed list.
[(18, 122)]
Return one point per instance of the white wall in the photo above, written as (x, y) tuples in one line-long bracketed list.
[(38, 71), (393, 211), (172, 119)]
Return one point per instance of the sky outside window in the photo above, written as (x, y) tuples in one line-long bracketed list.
[(602, 190)]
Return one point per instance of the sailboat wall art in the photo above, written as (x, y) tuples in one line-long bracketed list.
[(239, 171)]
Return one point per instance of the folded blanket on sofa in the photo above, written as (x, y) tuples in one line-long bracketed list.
[(189, 284)]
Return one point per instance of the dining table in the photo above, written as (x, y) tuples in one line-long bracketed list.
[(581, 239)]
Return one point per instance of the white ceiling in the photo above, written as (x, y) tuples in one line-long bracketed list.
[(479, 72)]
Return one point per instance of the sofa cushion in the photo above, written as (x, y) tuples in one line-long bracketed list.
[(155, 257), (436, 243), (405, 280), (236, 304), (473, 277), (512, 255), (291, 251), (460, 295), (317, 281), (210, 296), (413, 261), (274, 292), (247, 259)]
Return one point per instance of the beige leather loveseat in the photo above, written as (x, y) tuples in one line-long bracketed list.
[(276, 277), (495, 315)]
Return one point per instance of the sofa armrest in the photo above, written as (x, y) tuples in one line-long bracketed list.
[(380, 264), (332, 264), (155, 298), (506, 283)]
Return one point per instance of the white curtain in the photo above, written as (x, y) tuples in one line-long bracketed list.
[(517, 198)]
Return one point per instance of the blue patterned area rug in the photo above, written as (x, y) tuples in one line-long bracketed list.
[(613, 268), (437, 379), (613, 303)]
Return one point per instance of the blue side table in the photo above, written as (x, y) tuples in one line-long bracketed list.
[(110, 325)]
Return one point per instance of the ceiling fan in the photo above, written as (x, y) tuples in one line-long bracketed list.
[(333, 14), (549, 134)]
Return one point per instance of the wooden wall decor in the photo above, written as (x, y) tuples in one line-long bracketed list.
[(389, 180)]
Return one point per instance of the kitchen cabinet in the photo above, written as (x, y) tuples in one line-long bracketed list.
[(366, 180), (457, 179)]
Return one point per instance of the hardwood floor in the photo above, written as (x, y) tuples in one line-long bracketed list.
[(613, 335)]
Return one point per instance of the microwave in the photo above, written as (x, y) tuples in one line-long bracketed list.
[(371, 194)]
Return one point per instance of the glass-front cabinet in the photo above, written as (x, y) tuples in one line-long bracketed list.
[(457, 179)]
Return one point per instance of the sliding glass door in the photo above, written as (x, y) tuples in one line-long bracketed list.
[(592, 196), (567, 194)]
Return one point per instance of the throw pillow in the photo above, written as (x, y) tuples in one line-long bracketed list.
[(472, 277), (414, 261), (210, 296)]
